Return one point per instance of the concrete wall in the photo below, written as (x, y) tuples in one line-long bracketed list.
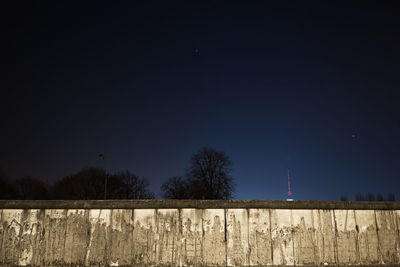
[(205, 233)]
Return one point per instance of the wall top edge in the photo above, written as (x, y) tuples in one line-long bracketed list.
[(197, 204)]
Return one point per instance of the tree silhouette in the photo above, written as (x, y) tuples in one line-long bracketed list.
[(379, 197), (30, 188), (89, 184), (132, 187), (371, 197), (86, 184), (208, 177), (7, 189), (176, 188)]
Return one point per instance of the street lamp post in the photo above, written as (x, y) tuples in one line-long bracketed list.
[(105, 176)]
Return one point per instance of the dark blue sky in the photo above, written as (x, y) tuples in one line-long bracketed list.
[(312, 86)]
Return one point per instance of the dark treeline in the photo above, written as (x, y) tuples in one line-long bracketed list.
[(370, 197), (86, 184), (208, 177)]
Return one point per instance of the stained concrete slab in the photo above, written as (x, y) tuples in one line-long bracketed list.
[(122, 240), (303, 229), (199, 237), (282, 237), (347, 237), (387, 236), (11, 242), (260, 241), (145, 238), (168, 245), (76, 236), (237, 234), (367, 236), (55, 224), (325, 237), (191, 237), (98, 251), (214, 237)]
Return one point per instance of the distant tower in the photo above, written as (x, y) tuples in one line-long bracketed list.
[(289, 197)]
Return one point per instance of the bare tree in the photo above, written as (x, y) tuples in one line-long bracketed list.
[(30, 188), (133, 187), (89, 184), (209, 175), (344, 198), (86, 184), (176, 188)]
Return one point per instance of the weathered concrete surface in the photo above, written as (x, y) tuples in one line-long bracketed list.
[(191, 252), (214, 238), (304, 237), (388, 236), (196, 204), (347, 236), (144, 237), (260, 242), (235, 234), (367, 236)]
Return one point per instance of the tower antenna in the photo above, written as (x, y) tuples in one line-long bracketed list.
[(289, 196)]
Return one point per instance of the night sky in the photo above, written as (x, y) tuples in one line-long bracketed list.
[(308, 85)]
